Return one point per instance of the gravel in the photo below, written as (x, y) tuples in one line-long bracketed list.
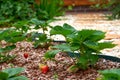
[(57, 69)]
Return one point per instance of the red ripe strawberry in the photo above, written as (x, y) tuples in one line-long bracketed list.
[(44, 68), (25, 55)]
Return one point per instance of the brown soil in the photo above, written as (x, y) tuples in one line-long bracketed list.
[(57, 69)]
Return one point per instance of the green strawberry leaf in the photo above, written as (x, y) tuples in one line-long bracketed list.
[(65, 30), (51, 54), (104, 45), (63, 47), (3, 76), (19, 78), (13, 71)]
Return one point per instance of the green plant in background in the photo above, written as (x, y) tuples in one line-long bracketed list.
[(11, 36), (40, 39), (48, 9), (21, 10), (41, 24), (85, 42), (111, 5), (12, 74), (24, 14), (22, 26), (6, 57), (12, 11), (112, 74), (45, 13)]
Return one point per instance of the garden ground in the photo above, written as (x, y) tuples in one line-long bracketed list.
[(57, 71)]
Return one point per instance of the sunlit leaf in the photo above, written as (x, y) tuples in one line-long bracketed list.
[(104, 45), (63, 47), (65, 30), (91, 45)]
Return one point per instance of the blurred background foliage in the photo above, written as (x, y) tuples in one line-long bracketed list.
[(112, 5), (12, 11)]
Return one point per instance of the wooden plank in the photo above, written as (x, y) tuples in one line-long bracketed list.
[(75, 2), (69, 2), (81, 2)]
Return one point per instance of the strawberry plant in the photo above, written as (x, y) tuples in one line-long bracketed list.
[(22, 26), (6, 57), (10, 36), (41, 24), (85, 42), (12, 74), (112, 74), (40, 39)]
